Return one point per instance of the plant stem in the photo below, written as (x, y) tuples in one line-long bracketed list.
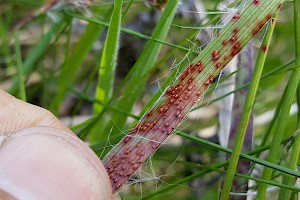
[(21, 78), (174, 104), (283, 116), (109, 59), (239, 140), (294, 158), (38, 51)]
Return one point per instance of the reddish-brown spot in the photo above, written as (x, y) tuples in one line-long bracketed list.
[(235, 48), (126, 140), (256, 2), (128, 151), (260, 24), (225, 58), (190, 69), (215, 55), (209, 81), (177, 113), (235, 30), (182, 76), (236, 17), (268, 17), (191, 80), (218, 65), (255, 31), (169, 91), (149, 114), (279, 6), (264, 48), (162, 109), (139, 152), (233, 39), (224, 43), (199, 67)]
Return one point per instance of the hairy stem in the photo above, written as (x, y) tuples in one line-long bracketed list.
[(179, 98)]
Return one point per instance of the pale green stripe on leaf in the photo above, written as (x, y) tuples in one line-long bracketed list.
[(109, 59)]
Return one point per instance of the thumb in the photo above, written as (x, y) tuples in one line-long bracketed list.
[(46, 163)]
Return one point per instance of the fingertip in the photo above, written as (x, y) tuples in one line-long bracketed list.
[(47, 163)]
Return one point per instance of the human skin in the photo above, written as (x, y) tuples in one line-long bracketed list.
[(41, 158)]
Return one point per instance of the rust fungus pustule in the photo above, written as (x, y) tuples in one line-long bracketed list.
[(225, 42), (279, 6), (199, 67), (126, 139), (264, 48), (235, 31), (149, 114), (209, 81), (236, 47), (260, 24), (268, 17), (256, 2), (236, 17), (215, 55), (218, 65), (233, 39)]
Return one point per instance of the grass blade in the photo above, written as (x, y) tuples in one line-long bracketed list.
[(109, 59), (140, 73), (239, 139), (280, 128), (249, 156), (38, 51), (21, 79), (294, 159), (73, 62)]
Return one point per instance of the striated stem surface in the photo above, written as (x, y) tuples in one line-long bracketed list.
[(174, 104)]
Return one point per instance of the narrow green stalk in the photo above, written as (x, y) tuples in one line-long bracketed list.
[(283, 117), (246, 156), (21, 79), (239, 139), (249, 156), (73, 62), (38, 51), (287, 179), (109, 59), (247, 177), (129, 4), (294, 159), (131, 32)]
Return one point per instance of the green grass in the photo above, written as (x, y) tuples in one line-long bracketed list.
[(76, 73)]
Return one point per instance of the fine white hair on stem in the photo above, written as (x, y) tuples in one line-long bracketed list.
[(107, 143)]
